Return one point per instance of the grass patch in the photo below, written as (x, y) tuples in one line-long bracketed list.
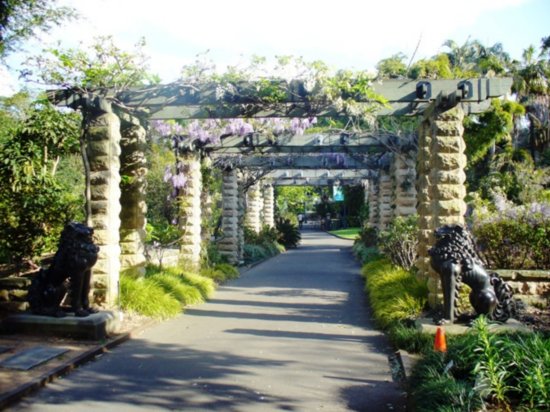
[(351, 233)]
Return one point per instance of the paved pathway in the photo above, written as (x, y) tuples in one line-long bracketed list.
[(292, 334)]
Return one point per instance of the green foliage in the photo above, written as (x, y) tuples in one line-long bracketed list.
[(439, 67), (293, 200), (409, 338), (398, 242), (392, 67), (146, 297), (482, 132), (34, 204), (288, 234), (21, 20), (395, 294)]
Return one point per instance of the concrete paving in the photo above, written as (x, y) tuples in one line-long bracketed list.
[(292, 334)]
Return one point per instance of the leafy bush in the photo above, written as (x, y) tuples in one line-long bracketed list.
[(369, 236), (288, 234), (514, 237), (363, 253), (230, 271), (398, 242)]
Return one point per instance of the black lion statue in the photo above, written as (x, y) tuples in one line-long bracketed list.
[(455, 258), (70, 269)]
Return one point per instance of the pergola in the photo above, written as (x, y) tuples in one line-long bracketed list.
[(429, 183)]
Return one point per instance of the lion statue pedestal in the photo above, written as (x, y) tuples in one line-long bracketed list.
[(70, 270)]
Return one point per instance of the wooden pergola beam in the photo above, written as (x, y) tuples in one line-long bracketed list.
[(309, 161), (208, 101)]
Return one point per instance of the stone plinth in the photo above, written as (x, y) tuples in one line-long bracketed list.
[(93, 327)]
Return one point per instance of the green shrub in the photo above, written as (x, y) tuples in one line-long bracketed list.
[(146, 297), (398, 242), (230, 271), (288, 234), (176, 287), (510, 236), (394, 293), (206, 286), (369, 236), (409, 338), (363, 253)]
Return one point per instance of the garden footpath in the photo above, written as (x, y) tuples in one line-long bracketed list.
[(293, 333)]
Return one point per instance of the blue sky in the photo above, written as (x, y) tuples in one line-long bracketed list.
[(351, 34)]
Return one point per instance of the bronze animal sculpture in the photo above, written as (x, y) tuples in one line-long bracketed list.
[(70, 269), (455, 258)]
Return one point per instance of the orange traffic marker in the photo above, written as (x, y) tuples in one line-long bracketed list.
[(440, 345)]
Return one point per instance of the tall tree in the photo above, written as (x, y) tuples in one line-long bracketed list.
[(21, 20)]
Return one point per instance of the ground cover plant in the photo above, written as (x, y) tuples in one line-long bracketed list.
[(164, 292), (481, 369)]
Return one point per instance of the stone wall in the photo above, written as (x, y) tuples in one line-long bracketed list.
[(268, 206), (385, 199), (374, 216)]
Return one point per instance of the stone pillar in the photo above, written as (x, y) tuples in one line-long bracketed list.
[(374, 216), (206, 205), (229, 244), (404, 173), (241, 208), (269, 206), (423, 206), (385, 198), (133, 207), (254, 204), (102, 136), (447, 177), (189, 204)]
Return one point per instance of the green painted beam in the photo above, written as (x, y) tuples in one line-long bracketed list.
[(308, 161)]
